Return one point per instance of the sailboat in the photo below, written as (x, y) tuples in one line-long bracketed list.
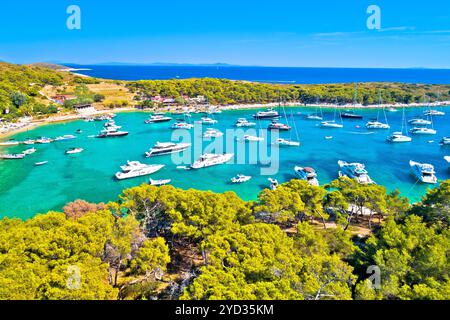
[(333, 123), (397, 137), (290, 142), (425, 130), (353, 115), (377, 124), (316, 115)]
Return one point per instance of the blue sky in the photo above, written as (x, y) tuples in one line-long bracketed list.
[(327, 33)]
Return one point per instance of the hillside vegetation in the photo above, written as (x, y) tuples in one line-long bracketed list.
[(166, 243)]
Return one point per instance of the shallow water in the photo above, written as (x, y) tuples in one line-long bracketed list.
[(26, 190)]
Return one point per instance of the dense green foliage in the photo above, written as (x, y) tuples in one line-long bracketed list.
[(296, 242), (223, 92)]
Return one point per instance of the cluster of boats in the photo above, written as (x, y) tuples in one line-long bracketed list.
[(112, 130)]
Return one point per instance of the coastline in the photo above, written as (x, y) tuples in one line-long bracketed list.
[(32, 124)]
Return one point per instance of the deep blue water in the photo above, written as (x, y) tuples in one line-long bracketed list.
[(268, 74)]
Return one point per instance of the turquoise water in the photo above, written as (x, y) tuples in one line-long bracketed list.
[(26, 190)]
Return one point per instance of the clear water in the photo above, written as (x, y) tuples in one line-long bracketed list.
[(26, 190)]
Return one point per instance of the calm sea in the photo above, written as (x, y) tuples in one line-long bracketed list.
[(268, 74), (26, 190)]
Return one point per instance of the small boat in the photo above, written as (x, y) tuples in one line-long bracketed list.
[(308, 174), (242, 122), (9, 143), (355, 171), (351, 115), (424, 172), (163, 148), (182, 125), (135, 169), (29, 142), (65, 137), (422, 130), (15, 156), (44, 140), (206, 120), (89, 120), (79, 131), (110, 123), (398, 137), (29, 151), (445, 141), (315, 117), (328, 137), (74, 150), (38, 164), (447, 158), (212, 133), (269, 114), (275, 125), (392, 109), (158, 183), (158, 118), (240, 178), (331, 124), (111, 132), (432, 112), (251, 138), (209, 159), (419, 122), (273, 183), (377, 125), (288, 143), (183, 168)]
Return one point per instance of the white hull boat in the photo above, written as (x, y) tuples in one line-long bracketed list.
[(208, 160), (164, 148), (240, 178), (424, 172), (74, 150), (398, 137), (307, 174), (287, 143), (158, 183), (423, 131), (137, 169), (355, 171)]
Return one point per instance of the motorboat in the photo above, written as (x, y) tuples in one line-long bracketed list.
[(38, 164), (206, 120), (240, 178), (158, 183), (242, 122), (351, 115), (355, 171), (209, 159), (9, 143), (273, 183), (110, 123), (445, 141), (158, 118), (182, 125), (392, 109), (433, 112), (422, 130), (377, 125), (419, 122), (250, 138), (308, 174), (163, 148), (136, 169), (288, 143), (424, 172), (279, 126), (65, 137), (74, 150), (331, 124), (15, 156), (398, 137), (314, 116), (212, 133), (269, 114), (112, 132), (29, 142), (447, 158), (79, 131), (44, 140), (29, 151)]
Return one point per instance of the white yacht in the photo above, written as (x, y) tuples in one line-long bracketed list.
[(74, 150), (419, 122), (377, 125), (182, 125), (398, 137), (209, 159), (288, 143), (29, 151), (273, 183), (242, 122), (9, 143), (212, 133), (29, 142), (392, 109), (445, 141), (269, 114), (158, 118), (433, 112), (331, 124), (422, 130), (251, 138), (240, 178), (44, 140), (158, 183), (15, 156), (65, 137), (314, 116), (112, 132), (424, 172), (275, 125), (308, 174), (135, 169), (163, 148), (355, 171), (206, 120)]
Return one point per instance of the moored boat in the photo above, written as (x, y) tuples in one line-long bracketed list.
[(158, 118), (38, 164), (445, 141), (433, 112), (163, 148), (158, 183), (269, 114), (377, 125), (398, 137), (331, 124), (250, 138), (112, 132), (74, 150), (65, 137), (273, 183), (285, 142), (29, 151), (355, 171), (240, 178), (424, 172), (209, 159), (9, 143), (419, 122), (275, 125), (242, 122), (182, 125), (14, 156), (308, 174), (423, 131), (212, 133), (135, 169)]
